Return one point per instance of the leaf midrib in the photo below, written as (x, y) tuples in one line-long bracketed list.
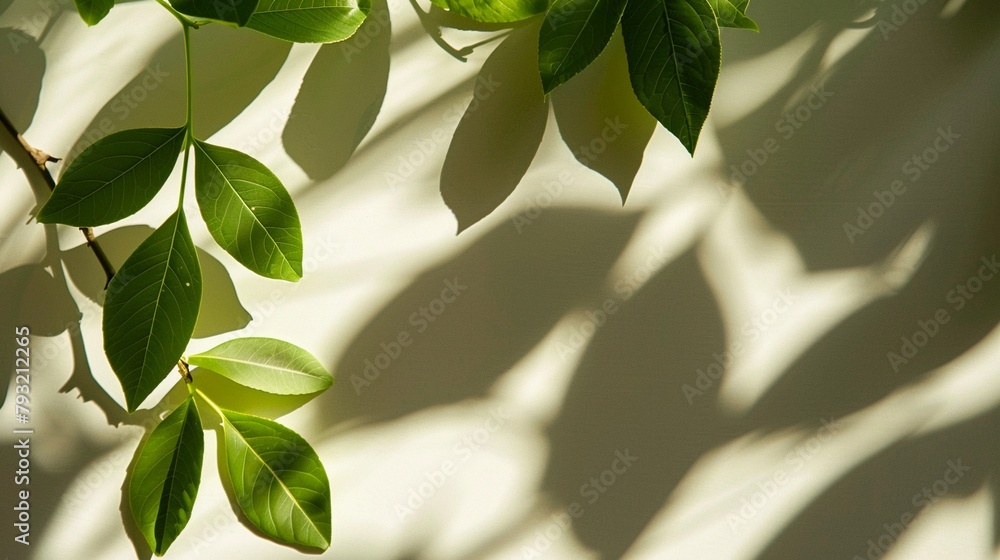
[(249, 363)]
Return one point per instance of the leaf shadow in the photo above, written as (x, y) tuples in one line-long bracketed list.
[(221, 310), (340, 98), (600, 119), (26, 60), (500, 132), (230, 67), (523, 282)]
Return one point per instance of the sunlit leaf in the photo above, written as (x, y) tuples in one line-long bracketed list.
[(266, 364), (309, 21), (733, 14), (166, 476), (279, 481), (494, 11), (248, 211), (114, 178), (151, 308)]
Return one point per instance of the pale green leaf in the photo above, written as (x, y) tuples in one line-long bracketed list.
[(309, 21), (151, 308), (166, 476), (279, 481), (494, 11), (248, 211), (729, 14), (114, 177), (266, 364)]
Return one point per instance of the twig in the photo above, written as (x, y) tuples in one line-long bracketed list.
[(31, 158)]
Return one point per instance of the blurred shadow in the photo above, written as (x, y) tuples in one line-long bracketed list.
[(500, 132), (521, 283), (631, 403), (866, 512), (221, 310), (340, 98), (601, 120), (230, 67)]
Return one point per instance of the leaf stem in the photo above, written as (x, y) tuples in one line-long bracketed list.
[(189, 124), (185, 21)]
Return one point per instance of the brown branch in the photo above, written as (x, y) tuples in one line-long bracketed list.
[(28, 157)]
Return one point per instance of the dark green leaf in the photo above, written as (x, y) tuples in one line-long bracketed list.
[(494, 11), (230, 11), (151, 308), (114, 177), (166, 477), (279, 481), (574, 33), (248, 211), (93, 11), (674, 54), (309, 21), (729, 14), (266, 364)]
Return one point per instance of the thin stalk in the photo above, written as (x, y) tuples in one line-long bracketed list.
[(210, 403), (189, 125), (185, 21)]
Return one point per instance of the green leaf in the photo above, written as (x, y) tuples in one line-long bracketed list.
[(114, 177), (166, 476), (279, 481), (309, 21), (151, 308), (494, 11), (674, 54), (574, 33), (266, 364), (733, 14), (229, 11), (93, 11), (248, 211)]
